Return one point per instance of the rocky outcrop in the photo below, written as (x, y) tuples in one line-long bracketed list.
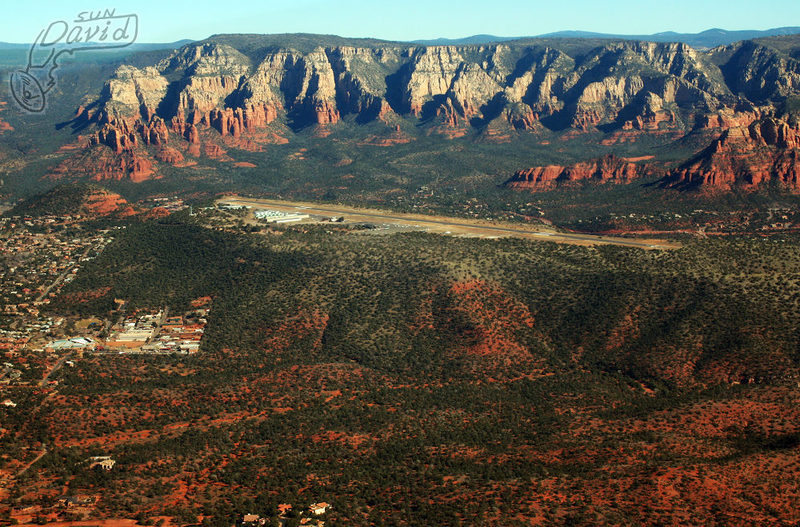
[(537, 87), (360, 78), (624, 86), (133, 92), (170, 156), (101, 202), (759, 73), (605, 169), (763, 152), (726, 118), (755, 152), (121, 134), (250, 95), (4, 126), (430, 75), (101, 164)]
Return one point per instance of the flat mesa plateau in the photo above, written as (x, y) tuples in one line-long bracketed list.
[(444, 224)]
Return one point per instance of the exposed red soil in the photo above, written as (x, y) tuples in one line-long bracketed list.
[(156, 213), (627, 329), (201, 301), (355, 441), (79, 144), (4, 126), (494, 135), (254, 141), (86, 296), (87, 523), (104, 203), (632, 136), (450, 133), (496, 315), (495, 325), (679, 464), (394, 138), (302, 326)]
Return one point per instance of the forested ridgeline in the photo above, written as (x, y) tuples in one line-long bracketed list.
[(424, 379)]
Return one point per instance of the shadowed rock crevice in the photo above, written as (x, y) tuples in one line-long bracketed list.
[(168, 107)]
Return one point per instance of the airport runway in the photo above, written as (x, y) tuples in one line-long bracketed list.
[(454, 226)]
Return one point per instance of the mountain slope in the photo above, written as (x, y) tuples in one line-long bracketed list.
[(89, 201), (246, 93)]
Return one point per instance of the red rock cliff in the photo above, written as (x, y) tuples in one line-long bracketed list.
[(607, 168), (763, 152)]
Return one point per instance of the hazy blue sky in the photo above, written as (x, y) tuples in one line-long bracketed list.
[(168, 20)]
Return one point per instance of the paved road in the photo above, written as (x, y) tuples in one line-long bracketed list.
[(57, 366), (29, 465), (62, 275), (454, 224)]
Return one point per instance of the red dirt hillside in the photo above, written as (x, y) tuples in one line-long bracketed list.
[(81, 202)]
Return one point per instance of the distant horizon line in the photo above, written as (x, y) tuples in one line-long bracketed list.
[(554, 34)]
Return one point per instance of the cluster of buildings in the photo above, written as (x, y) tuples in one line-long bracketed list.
[(72, 344), (171, 204), (36, 260), (179, 334), (276, 216), (80, 505), (134, 332), (306, 517), (37, 263), (104, 462), (267, 215), (9, 373), (159, 333), (12, 341), (29, 332), (75, 501), (143, 333)]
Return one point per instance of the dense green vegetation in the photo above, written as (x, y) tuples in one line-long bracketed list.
[(372, 285), (63, 200), (373, 371)]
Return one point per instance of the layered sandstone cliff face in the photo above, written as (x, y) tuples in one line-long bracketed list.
[(761, 73), (763, 152), (102, 164), (624, 89), (605, 169), (750, 152), (634, 85)]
